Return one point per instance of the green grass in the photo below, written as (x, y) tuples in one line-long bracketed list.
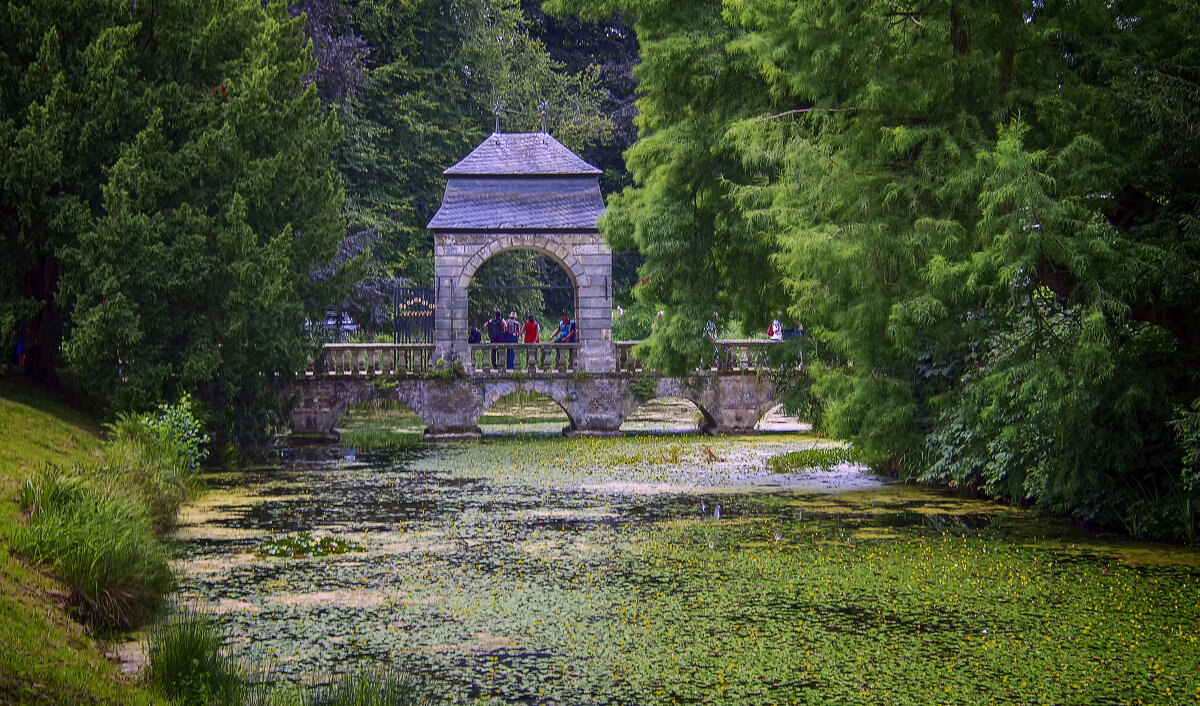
[(47, 658), (187, 660), (818, 457), (100, 544)]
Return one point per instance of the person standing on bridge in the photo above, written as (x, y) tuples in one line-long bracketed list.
[(512, 333), (495, 332), (533, 334), (566, 334)]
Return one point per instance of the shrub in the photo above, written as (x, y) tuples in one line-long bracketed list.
[(187, 661), (100, 544), (644, 388)]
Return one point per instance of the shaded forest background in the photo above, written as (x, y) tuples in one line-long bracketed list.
[(984, 217)]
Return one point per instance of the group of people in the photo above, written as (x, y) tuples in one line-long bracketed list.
[(511, 330)]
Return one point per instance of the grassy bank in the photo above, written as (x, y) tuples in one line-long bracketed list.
[(48, 657)]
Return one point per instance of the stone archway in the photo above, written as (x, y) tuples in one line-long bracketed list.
[(583, 256), (523, 191)]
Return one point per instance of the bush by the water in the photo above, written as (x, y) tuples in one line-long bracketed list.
[(98, 526), (187, 661), (825, 457), (99, 542)]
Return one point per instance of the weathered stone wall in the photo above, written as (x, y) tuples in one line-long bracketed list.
[(586, 258), (595, 405)]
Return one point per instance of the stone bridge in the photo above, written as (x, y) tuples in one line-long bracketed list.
[(732, 396)]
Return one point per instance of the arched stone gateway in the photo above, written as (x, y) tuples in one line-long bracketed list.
[(523, 191)]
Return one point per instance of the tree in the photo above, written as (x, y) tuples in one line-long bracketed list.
[(185, 230), (968, 206)]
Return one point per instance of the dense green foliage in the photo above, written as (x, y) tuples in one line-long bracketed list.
[(185, 658), (98, 527), (63, 665), (987, 216), (168, 196), (100, 543)]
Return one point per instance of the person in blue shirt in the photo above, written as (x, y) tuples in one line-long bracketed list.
[(566, 334)]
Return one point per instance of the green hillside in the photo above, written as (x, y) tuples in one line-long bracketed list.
[(48, 658)]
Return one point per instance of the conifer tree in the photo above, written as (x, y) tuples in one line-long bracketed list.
[(978, 211), (188, 198)]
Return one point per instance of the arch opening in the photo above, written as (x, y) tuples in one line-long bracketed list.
[(777, 420), (525, 412), (668, 415), (523, 280), (380, 423)]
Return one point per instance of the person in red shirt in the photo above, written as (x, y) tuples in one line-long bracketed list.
[(533, 334)]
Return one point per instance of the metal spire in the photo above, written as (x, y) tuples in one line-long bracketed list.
[(498, 107)]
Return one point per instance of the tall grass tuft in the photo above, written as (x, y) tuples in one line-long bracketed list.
[(100, 544), (187, 661), (384, 688)]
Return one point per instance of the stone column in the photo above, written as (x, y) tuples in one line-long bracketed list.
[(450, 326), (594, 304)]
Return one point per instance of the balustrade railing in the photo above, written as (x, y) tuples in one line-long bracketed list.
[(370, 359), (492, 358), (729, 355), (392, 360)]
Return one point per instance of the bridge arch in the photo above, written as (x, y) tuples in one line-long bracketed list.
[(552, 392), (706, 423), (532, 241)]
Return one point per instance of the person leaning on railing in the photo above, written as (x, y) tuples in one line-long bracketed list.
[(566, 334), (533, 334)]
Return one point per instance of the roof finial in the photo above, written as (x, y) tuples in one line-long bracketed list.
[(543, 105), (498, 107)]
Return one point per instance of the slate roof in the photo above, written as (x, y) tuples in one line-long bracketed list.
[(516, 153), (520, 181), (563, 203)]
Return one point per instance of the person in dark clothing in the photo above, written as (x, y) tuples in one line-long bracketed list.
[(495, 332)]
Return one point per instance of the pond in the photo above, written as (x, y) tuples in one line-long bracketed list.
[(679, 569)]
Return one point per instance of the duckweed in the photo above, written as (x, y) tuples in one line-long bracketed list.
[(683, 570)]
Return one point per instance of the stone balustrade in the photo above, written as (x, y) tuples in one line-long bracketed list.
[(371, 359), (528, 357), (732, 356), (397, 360)]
